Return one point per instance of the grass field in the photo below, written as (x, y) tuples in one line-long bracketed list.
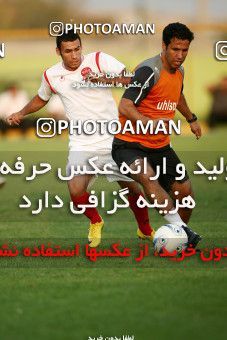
[(75, 298)]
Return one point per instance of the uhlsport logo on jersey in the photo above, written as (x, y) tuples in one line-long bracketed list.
[(166, 105)]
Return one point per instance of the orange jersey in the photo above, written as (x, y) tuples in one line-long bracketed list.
[(156, 98)]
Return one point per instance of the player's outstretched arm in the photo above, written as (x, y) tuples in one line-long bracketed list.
[(186, 112), (34, 105)]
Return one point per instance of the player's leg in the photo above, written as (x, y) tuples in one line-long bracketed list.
[(171, 184), (78, 191), (145, 231), (184, 189), (153, 190), (161, 195)]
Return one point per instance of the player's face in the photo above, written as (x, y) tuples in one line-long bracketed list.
[(176, 52), (71, 54)]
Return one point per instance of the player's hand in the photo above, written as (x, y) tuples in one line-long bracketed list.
[(15, 118), (196, 129)]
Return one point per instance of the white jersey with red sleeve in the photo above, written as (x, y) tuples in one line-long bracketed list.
[(85, 103)]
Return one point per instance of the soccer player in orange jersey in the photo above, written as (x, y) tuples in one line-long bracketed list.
[(160, 93)]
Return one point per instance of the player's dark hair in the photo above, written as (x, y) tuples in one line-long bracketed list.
[(176, 30), (69, 36)]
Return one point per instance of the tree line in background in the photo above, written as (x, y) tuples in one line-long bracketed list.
[(23, 14)]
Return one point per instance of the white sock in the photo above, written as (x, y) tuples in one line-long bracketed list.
[(174, 218)]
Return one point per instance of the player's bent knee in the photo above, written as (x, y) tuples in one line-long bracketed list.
[(78, 186), (184, 189), (143, 179)]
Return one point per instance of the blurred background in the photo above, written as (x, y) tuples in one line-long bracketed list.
[(29, 49), (69, 300)]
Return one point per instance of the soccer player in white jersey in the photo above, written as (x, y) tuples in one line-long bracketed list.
[(83, 104)]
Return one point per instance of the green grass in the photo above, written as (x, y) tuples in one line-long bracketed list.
[(75, 304), (75, 298)]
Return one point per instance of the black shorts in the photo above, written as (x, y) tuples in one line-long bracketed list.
[(128, 152)]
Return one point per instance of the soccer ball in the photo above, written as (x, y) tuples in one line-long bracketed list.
[(170, 237)]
